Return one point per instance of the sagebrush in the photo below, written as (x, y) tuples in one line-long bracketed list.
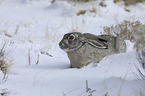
[(126, 29)]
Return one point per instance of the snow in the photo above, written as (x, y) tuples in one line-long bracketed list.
[(38, 26)]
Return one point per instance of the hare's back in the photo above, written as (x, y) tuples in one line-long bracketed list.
[(116, 43)]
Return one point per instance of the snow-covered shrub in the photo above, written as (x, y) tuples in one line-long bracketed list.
[(141, 57), (140, 37), (133, 31), (140, 44), (129, 2)]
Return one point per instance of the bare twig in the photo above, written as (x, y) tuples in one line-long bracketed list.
[(37, 59), (29, 57), (89, 90)]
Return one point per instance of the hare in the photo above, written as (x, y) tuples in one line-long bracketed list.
[(83, 49)]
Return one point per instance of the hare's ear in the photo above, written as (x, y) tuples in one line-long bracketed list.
[(97, 44), (95, 41)]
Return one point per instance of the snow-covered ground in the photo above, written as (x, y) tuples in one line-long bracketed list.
[(36, 26)]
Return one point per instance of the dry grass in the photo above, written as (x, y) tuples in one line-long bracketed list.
[(81, 12), (80, 1), (51, 37), (129, 2), (5, 60), (102, 3)]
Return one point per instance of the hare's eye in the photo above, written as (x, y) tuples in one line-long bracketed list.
[(71, 37)]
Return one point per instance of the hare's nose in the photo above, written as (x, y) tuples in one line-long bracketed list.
[(60, 44)]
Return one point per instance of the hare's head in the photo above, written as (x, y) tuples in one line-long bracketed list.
[(75, 40), (71, 41)]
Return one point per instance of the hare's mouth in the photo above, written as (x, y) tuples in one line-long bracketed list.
[(63, 46)]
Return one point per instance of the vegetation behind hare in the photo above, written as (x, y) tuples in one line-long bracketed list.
[(83, 49)]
